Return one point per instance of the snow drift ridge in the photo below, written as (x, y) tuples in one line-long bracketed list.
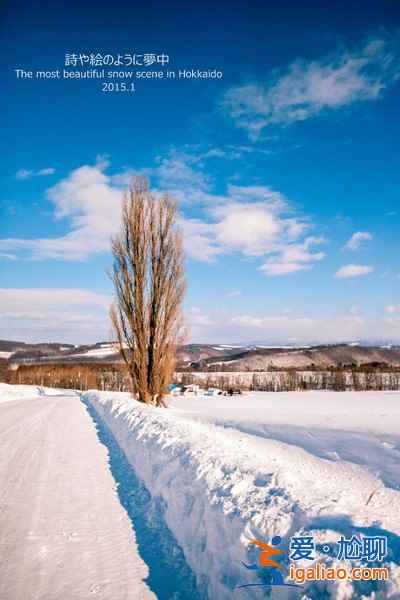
[(220, 491)]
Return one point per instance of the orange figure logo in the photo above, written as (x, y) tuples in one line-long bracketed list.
[(268, 551), (265, 560)]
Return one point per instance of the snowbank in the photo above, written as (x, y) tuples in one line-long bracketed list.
[(17, 392), (222, 488)]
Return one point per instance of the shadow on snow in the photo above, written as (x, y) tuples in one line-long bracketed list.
[(170, 577)]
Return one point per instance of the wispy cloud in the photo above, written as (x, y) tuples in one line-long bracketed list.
[(80, 316), (295, 257), (357, 240), (227, 152), (281, 328), (233, 294), (27, 174), (199, 239), (252, 221), (70, 315), (348, 271), (177, 173), (392, 309), (306, 89), (89, 199), (90, 203)]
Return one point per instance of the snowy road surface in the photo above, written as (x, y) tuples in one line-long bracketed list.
[(63, 532)]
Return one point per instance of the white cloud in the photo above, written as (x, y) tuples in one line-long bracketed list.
[(295, 257), (353, 271), (284, 328), (81, 316), (68, 315), (253, 229), (45, 172), (197, 322), (357, 240), (391, 309), (253, 221), (23, 174), (304, 329), (196, 318), (176, 173), (198, 239), (176, 170), (27, 174), (90, 200), (281, 323), (233, 294), (91, 203), (231, 152), (308, 88), (272, 268)]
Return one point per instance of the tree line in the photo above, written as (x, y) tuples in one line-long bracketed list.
[(114, 377)]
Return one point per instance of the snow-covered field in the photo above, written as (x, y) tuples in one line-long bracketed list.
[(230, 470), (358, 427), (102, 352)]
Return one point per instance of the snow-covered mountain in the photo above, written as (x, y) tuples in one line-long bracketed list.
[(235, 357)]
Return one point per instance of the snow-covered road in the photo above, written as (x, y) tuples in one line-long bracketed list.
[(64, 534)]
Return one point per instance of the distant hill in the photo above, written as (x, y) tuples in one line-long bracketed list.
[(213, 357), (20, 352), (320, 357), (10, 349)]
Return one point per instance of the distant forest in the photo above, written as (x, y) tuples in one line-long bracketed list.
[(114, 377)]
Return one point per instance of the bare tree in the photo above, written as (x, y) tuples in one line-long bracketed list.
[(148, 276)]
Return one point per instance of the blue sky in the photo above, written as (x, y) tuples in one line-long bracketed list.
[(286, 169)]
